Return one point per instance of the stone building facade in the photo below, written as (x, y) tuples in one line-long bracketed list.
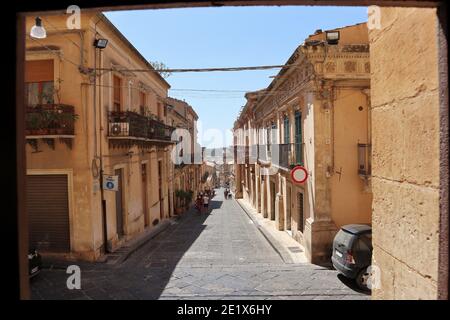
[(315, 113), (187, 155), (89, 120)]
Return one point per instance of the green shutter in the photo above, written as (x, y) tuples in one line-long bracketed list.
[(287, 137)]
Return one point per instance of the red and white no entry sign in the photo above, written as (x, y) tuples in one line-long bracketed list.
[(299, 174)]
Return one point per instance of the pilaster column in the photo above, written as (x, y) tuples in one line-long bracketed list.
[(291, 114)]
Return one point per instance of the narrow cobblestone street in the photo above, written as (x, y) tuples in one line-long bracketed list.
[(220, 255)]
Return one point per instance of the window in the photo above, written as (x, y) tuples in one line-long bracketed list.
[(39, 82), (142, 102), (274, 133), (39, 93), (300, 211), (287, 134), (160, 113), (117, 93), (364, 165), (345, 238)]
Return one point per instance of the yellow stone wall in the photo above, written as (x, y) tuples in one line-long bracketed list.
[(405, 128)]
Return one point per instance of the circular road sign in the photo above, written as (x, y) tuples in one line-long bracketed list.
[(299, 174)]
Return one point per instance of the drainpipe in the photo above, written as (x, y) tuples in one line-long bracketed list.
[(103, 204), (96, 155)]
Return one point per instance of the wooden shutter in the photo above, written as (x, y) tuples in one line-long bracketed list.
[(39, 71), (142, 102), (117, 89)]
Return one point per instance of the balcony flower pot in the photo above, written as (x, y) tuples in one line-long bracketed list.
[(40, 132), (61, 131)]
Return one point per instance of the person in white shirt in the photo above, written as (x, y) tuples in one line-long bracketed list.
[(206, 202)]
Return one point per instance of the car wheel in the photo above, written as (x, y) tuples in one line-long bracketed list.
[(362, 279)]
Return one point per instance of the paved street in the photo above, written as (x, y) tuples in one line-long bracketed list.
[(217, 256)]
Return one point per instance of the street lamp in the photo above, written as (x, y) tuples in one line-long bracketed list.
[(333, 37), (100, 43), (38, 31)]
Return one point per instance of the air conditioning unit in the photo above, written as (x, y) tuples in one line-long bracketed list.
[(117, 129)]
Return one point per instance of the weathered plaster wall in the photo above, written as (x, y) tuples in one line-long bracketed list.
[(351, 199), (405, 122), (67, 79), (77, 90)]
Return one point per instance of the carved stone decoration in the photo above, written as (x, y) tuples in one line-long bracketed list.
[(355, 48), (301, 101), (367, 67), (330, 67), (318, 69), (350, 66)]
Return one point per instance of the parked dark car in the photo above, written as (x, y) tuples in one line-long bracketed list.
[(34, 263), (352, 253)]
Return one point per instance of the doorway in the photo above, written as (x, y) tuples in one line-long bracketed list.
[(288, 210), (145, 194), (119, 204), (160, 191), (272, 200)]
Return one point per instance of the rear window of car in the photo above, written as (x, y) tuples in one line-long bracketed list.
[(344, 238), (365, 242)]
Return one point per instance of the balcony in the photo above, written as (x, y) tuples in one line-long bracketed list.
[(284, 151), (263, 154), (133, 127), (49, 122), (159, 131), (50, 119), (180, 166), (286, 156)]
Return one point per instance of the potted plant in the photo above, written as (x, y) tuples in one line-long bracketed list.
[(179, 194), (66, 123), (42, 128), (188, 196), (33, 123)]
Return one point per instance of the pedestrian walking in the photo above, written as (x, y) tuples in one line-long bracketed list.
[(225, 193), (199, 203), (205, 202)]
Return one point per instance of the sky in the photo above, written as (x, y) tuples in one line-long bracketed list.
[(224, 37)]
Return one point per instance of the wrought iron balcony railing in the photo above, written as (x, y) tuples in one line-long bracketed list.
[(159, 131), (286, 155), (263, 153), (284, 152), (50, 119), (134, 125)]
